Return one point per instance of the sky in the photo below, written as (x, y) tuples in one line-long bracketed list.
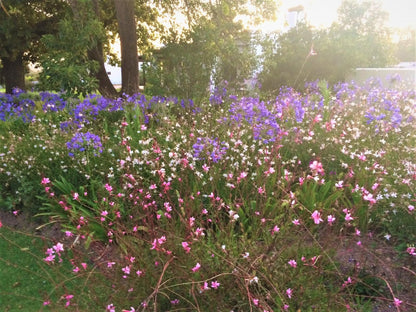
[(321, 13)]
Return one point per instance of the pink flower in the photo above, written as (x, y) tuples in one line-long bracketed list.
[(58, 247), (411, 208), (316, 167), (348, 281), (362, 157), (205, 287), (256, 301), (139, 273), (196, 267), (339, 184), (185, 246), (318, 118), (296, 222), (397, 302), (331, 219), (191, 221), (348, 217), (411, 251), (68, 300), (316, 216), (289, 292), (126, 270), (45, 181), (199, 232), (108, 187), (292, 263), (110, 264), (369, 197), (215, 284), (275, 229)]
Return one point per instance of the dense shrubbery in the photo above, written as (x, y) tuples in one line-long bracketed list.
[(240, 204)]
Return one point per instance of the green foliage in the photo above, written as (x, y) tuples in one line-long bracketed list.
[(358, 39), (30, 284), (67, 66), (24, 22), (215, 48)]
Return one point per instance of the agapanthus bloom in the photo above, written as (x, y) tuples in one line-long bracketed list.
[(82, 142)]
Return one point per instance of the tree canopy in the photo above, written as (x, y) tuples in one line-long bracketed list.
[(22, 24), (359, 38)]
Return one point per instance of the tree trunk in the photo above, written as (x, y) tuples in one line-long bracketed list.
[(105, 86), (14, 73), (128, 44)]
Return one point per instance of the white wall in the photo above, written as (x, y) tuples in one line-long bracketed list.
[(407, 75)]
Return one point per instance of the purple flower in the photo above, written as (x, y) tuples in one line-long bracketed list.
[(82, 142)]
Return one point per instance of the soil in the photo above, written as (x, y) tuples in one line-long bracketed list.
[(389, 271), (28, 224), (377, 267)]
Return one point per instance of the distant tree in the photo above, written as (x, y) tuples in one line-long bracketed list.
[(214, 48), (303, 54), (406, 46), (362, 35), (67, 65), (22, 24), (287, 59)]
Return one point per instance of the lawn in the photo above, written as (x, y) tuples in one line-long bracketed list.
[(299, 201)]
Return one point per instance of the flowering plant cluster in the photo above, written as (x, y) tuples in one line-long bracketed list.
[(81, 142), (262, 197)]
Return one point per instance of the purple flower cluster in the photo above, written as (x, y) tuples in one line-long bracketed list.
[(82, 142), (16, 105), (209, 149), (263, 117), (89, 108), (147, 106), (219, 94), (52, 102), (386, 110)]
